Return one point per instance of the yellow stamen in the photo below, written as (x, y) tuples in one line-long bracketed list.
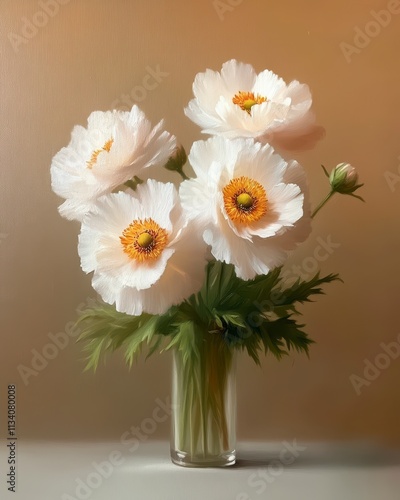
[(245, 200), (93, 159), (144, 240), (246, 100)]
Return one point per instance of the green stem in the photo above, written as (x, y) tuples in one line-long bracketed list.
[(323, 202), (202, 427)]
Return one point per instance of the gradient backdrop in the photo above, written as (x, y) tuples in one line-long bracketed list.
[(93, 55)]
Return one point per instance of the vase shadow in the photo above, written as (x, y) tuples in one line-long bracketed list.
[(319, 455)]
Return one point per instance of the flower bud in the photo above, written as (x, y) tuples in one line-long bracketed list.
[(344, 179), (177, 159)]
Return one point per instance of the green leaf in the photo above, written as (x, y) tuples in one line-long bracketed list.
[(253, 346), (301, 291), (186, 340), (288, 330), (259, 288), (325, 171), (219, 284), (254, 315), (95, 347), (143, 334), (103, 329)]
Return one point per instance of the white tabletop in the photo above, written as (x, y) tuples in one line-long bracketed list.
[(278, 471)]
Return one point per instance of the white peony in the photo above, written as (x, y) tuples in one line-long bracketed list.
[(251, 205), (115, 146), (239, 103), (144, 255)]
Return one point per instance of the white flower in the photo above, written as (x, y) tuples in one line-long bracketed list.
[(144, 256), (239, 103), (115, 146), (252, 206)]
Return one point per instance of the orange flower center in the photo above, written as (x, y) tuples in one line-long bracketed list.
[(144, 240), (246, 100), (245, 200), (93, 159)]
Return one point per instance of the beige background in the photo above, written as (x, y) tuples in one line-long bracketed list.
[(85, 58)]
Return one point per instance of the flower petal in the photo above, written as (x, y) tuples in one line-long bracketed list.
[(151, 283), (282, 119), (115, 146), (253, 245)]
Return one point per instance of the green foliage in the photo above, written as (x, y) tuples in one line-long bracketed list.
[(104, 329), (256, 316)]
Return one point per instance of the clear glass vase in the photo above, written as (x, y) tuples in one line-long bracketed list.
[(204, 405)]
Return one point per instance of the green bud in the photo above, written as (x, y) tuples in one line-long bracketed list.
[(133, 183), (344, 179), (177, 160)]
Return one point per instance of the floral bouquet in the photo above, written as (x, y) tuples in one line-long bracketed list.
[(197, 268)]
